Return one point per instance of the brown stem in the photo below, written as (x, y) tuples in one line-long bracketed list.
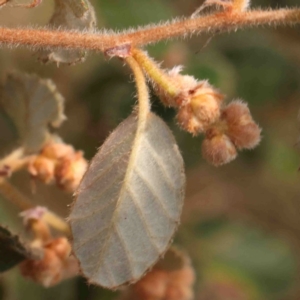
[(12, 194), (223, 22), (143, 93)]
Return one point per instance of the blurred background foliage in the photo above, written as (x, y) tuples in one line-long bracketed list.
[(241, 222)]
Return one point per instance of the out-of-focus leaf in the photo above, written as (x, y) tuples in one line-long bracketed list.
[(129, 203), (12, 251), (33, 104), (74, 15)]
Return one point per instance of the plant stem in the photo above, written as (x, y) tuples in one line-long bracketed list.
[(155, 72), (13, 161), (143, 94), (221, 22), (13, 195), (18, 199)]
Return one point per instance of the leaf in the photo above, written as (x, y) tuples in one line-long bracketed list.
[(129, 203), (12, 251), (70, 14), (33, 104)]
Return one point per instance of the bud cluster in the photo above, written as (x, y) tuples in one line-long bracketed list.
[(235, 130), (56, 263), (197, 102), (160, 284), (60, 163), (199, 110)]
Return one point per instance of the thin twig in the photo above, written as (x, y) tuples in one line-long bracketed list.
[(221, 22), (14, 161), (154, 71), (13, 195), (143, 94)]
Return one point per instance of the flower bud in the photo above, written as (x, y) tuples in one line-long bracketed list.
[(61, 246), (57, 150), (70, 170), (46, 271), (53, 267), (152, 286), (218, 150), (188, 121), (176, 89), (163, 283), (201, 108), (42, 168), (241, 129)]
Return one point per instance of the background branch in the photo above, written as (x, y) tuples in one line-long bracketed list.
[(221, 22)]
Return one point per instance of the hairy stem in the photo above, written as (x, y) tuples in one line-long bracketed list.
[(143, 94), (13, 195), (155, 72), (221, 22), (14, 161)]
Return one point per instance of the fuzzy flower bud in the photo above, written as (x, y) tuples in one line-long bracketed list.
[(60, 163), (180, 84), (172, 278), (201, 108), (56, 150), (70, 170), (42, 168), (49, 270), (46, 271), (198, 103), (241, 129), (152, 286), (161, 284), (218, 149)]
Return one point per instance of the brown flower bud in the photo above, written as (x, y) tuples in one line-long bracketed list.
[(42, 168), (201, 108), (241, 129), (53, 267), (70, 170), (152, 286), (57, 150), (188, 121), (46, 271), (61, 246), (176, 84), (180, 284), (218, 150), (161, 284)]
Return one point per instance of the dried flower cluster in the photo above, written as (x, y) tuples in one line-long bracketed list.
[(56, 263), (235, 130), (200, 109), (60, 163)]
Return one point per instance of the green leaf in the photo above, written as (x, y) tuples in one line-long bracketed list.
[(129, 203), (33, 104), (12, 250), (72, 15)]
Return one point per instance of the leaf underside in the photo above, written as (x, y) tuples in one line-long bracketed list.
[(129, 203), (12, 251), (32, 104)]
